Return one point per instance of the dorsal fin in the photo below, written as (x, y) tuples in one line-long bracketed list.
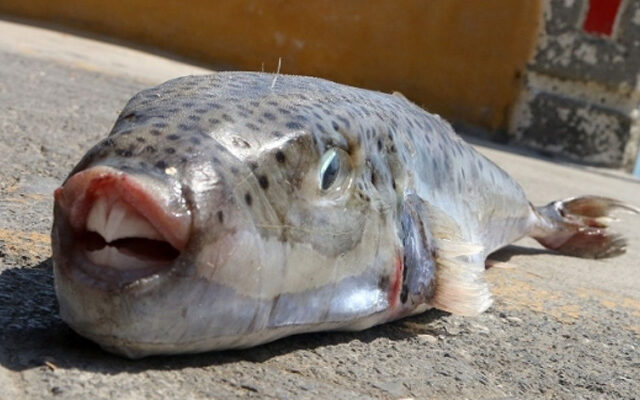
[(399, 94)]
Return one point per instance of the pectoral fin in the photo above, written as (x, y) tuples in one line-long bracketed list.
[(460, 284), (440, 268)]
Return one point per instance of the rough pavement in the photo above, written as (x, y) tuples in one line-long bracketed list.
[(560, 327)]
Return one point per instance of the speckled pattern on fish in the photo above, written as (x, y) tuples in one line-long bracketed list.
[(232, 209)]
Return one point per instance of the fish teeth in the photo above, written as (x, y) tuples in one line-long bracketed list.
[(112, 257), (97, 218), (119, 221)]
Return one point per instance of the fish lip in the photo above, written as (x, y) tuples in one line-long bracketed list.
[(73, 202), (171, 218)]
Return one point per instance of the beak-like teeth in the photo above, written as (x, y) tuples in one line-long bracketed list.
[(119, 221), (114, 258)]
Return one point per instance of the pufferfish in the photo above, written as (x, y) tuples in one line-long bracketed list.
[(229, 210)]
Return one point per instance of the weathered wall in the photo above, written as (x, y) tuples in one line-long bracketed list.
[(459, 58), (581, 87)]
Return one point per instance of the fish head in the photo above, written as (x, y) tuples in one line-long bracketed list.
[(212, 218)]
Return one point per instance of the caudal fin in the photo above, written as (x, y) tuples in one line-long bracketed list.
[(579, 227)]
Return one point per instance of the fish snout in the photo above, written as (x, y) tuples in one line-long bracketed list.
[(119, 227)]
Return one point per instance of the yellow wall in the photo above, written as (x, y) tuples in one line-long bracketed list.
[(460, 58)]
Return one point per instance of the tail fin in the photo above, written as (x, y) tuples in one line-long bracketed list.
[(578, 227)]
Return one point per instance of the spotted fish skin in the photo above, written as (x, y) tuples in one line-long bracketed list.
[(280, 204)]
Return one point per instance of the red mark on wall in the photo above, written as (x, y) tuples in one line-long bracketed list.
[(601, 16)]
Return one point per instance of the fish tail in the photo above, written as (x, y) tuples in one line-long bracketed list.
[(579, 227)]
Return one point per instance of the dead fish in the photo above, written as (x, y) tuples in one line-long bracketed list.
[(229, 210)]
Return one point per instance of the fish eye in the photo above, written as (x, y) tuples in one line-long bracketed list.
[(333, 167), (329, 168)]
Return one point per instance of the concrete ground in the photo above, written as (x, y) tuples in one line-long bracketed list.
[(560, 328)]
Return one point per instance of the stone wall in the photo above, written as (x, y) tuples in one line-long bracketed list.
[(580, 96)]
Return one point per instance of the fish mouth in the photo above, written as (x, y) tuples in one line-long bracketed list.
[(114, 228)]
